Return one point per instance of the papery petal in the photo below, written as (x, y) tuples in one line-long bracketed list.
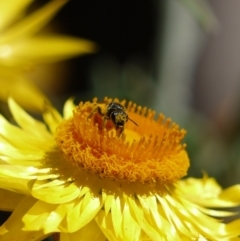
[(20, 139), (10, 10), (231, 194), (7, 151), (204, 187), (37, 215), (16, 185), (22, 161), (106, 225), (55, 194), (20, 172), (12, 229), (68, 108), (233, 229), (109, 199), (32, 23), (29, 124), (53, 48), (116, 213), (84, 211), (151, 231), (52, 117), (21, 235), (89, 232), (23, 91), (207, 192), (131, 230)]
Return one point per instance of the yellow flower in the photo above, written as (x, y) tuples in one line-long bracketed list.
[(75, 176), (22, 47)]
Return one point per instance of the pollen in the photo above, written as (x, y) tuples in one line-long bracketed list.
[(149, 152)]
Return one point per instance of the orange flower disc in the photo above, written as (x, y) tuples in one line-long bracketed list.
[(148, 153)]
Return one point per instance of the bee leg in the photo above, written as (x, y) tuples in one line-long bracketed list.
[(94, 110), (104, 122), (105, 119), (99, 111), (119, 131)]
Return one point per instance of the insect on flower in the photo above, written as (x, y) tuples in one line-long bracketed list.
[(114, 112), (100, 187)]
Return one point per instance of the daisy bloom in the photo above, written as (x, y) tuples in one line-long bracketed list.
[(23, 47), (74, 176)]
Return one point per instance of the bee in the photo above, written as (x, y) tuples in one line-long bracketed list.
[(114, 112)]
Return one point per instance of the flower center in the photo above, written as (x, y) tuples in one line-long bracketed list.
[(148, 152)]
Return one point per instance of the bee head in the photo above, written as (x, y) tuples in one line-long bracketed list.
[(119, 119)]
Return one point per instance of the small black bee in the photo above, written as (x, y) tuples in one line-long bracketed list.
[(114, 112)]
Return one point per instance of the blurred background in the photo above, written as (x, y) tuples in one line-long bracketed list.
[(179, 57)]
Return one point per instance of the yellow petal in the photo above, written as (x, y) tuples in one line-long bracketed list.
[(37, 215), (55, 219), (12, 229), (51, 48), (151, 203), (32, 23), (84, 211), (147, 214), (233, 229), (16, 185), (21, 235), (27, 123), (106, 225), (9, 200), (131, 230), (207, 192), (168, 220), (23, 92), (203, 187), (22, 161), (116, 213), (191, 216), (55, 194), (46, 217), (10, 10), (231, 194), (89, 232), (68, 108), (217, 213), (11, 180), (18, 171), (52, 117), (8, 151), (109, 199), (10, 136)]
